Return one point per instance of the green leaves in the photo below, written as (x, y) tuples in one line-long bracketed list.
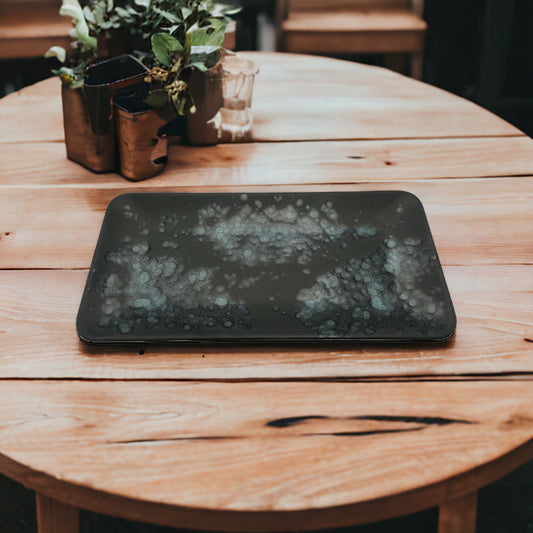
[(211, 35), (177, 17), (205, 45), (186, 12), (165, 47), (183, 34), (190, 36)]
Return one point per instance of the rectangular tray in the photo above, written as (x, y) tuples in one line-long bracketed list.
[(265, 267)]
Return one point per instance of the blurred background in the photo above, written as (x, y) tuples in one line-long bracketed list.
[(478, 49)]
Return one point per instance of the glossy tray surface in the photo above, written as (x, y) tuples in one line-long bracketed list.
[(265, 267)]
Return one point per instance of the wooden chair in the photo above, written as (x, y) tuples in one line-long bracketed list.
[(353, 27), (29, 28)]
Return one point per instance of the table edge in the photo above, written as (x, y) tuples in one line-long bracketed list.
[(268, 521)]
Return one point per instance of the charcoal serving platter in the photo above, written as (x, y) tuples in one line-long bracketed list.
[(265, 267)]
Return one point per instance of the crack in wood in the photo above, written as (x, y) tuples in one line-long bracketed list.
[(175, 439), (425, 420), (293, 421), (361, 433)]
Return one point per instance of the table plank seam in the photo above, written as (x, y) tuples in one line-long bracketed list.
[(252, 188), (422, 378), (123, 187), (325, 140), (395, 138)]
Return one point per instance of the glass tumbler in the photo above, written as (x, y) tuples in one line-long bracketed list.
[(237, 88)]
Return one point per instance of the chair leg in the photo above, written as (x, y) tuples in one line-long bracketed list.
[(282, 11), (417, 63), (459, 516), (396, 62), (56, 517)]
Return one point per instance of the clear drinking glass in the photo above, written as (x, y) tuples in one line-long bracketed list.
[(237, 88)]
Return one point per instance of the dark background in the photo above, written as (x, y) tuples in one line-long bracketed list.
[(477, 49)]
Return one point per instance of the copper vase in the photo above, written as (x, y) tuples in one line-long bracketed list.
[(87, 112), (106, 79), (94, 151), (142, 141), (206, 94)]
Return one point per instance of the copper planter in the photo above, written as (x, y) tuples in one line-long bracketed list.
[(206, 93), (87, 112), (142, 141), (104, 80), (93, 151)]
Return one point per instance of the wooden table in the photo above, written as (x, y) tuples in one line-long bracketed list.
[(217, 438)]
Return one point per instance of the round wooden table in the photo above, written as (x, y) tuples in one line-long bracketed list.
[(219, 438)]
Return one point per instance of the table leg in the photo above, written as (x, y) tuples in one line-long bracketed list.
[(459, 516), (56, 517), (417, 65)]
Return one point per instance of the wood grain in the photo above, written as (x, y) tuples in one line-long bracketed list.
[(483, 221), (299, 98), (494, 308), (44, 164), (314, 447)]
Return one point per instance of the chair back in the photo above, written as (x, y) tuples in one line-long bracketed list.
[(309, 5)]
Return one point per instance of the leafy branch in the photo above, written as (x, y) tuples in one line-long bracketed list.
[(201, 47), (202, 50), (194, 32)]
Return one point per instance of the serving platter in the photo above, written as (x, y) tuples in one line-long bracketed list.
[(265, 267)]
